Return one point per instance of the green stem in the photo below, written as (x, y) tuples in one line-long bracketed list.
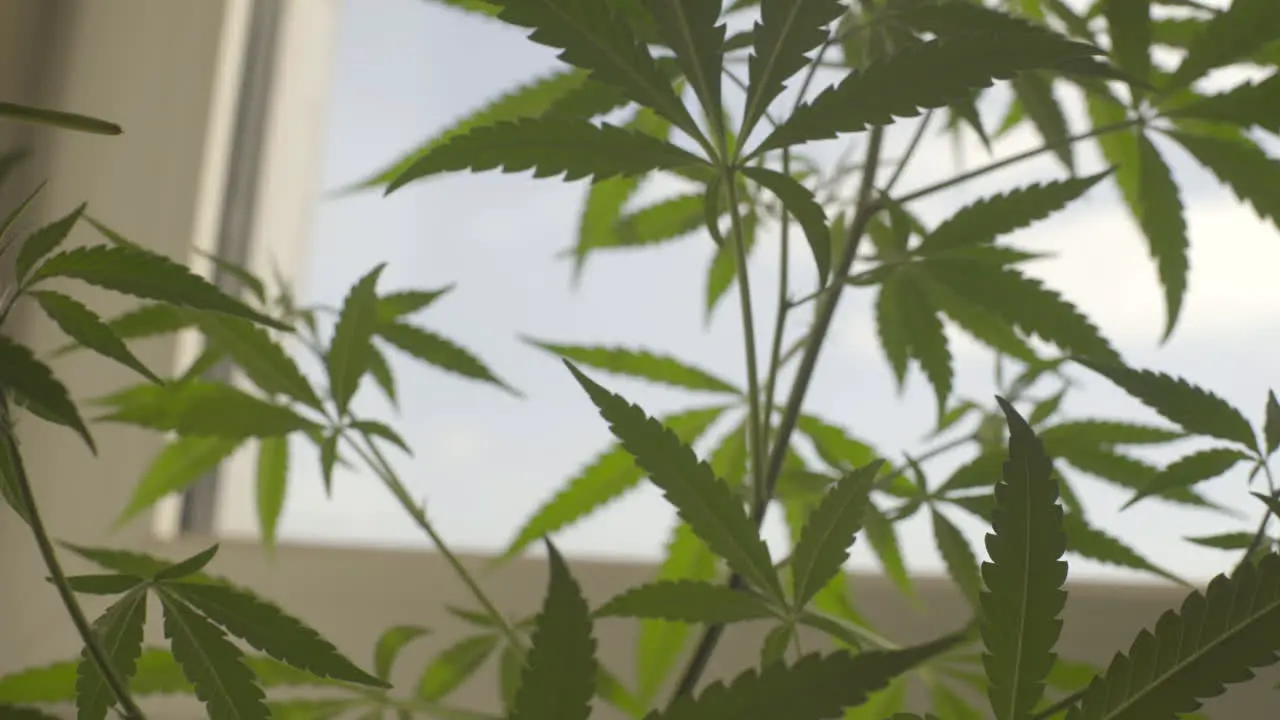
[(912, 147), (1061, 705), (377, 462), (784, 305), (117, 684)]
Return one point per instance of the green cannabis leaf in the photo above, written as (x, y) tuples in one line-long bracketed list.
[(641, 364), (824, 543), (690, 601), (119, 629)]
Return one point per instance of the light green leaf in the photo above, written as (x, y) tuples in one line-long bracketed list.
[(1025, 302), (454, 665), (1107, 433), (198, 407), (182, 462), (611, 474), (1213, 640), (1190, 470), (1241, 166), (640, 364), (883, 537), (83, 326), (1160, 213), (689, 28), (270, 629), (924, 76), (390, 643), (833, 525), (20, 371), (836, 447), (213, 665), (559, 677), (272, 485), (1129, 27), (550, 147), (58, 118), (406, 302), (661, 642), (595, 38), (347, 358), (983, 221), (119, 631), (689, 601), (1119, 147), (510, 665), (1247, 105), (667, 220), (440, 352), (373, 428), (1197, 410), (1271, 427), (142, 273), (786, 32), (1093, 543), (567, 92), (263, 360), (1024, 596), (801, 204), (702, 499), (44, 241), (961, 563), (774, 648), (815, 687), (1230, 36)]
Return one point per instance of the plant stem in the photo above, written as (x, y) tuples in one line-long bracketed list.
[(118, 686), (755, 428), (867, 207), (377, 462), (784, 306), (1061, 705)]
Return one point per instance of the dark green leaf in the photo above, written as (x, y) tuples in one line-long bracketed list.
[(1024, 579), (1122, 470), (381, 372), (347, 358), (390, 643), (775, 644), (891, 326), (786, 32), (212, 664), (1225, 541), (1213, 640), (188, 567), (702, 499), (927, 75), (690, 601), (198, 407), (119, 632), (550, 147), (961, 563), (144, 274), (985, 220), (1229, 37), (1107, 433), (435, 350), (1247, 105), (1160, 214), (270, 629), (883, 538), (44, 241), (824, 544), (111, 584), (1272, 503), (1241, 166), (926, 338), (182, 462), (1190, 470), (559, 676), (1197, 410), (660, 642), (800, 203), (1271, 427), (454, 665), (58, 118), (406, 302), (20, 371), (83, 326), (1129, 26), (815, 687), (263, 360), (641, 364), (272, 485), (1035, 95), (689, 28)]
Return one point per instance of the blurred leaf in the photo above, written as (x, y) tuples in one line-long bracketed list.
[(438, 351), (1230, 36), (1160, 213), (347, 358), (786, 32), (1272, 424), (20, 371), (1190, 470), (926, 338), (836, 447), (263, 360), (177, 467), (1248, 105), (390, 643), (199, 407), (641, 364), (381, 372), (961, 563), (1129, 28), (660, 642), (1225, 541), (44, 241), (689, 28), (1241, 166), (775, 644), (272, 485), (1036, 97), (189, 567), (58, 118), (883, 537), (690, 601), (454, 665), (1107, 433)]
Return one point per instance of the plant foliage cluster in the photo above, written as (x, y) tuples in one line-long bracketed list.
[(643, 93)]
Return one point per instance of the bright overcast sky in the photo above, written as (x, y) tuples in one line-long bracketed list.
[(485, 461)]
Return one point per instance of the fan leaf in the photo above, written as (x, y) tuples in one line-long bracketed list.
[(786, 31), (641, 364), (689, 601), (831, 529)]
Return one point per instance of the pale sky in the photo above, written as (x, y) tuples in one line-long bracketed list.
[(485, 461)]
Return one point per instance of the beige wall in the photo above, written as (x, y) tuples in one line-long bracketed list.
[(151, 66)]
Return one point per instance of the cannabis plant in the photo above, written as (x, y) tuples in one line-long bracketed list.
[(644, 95)]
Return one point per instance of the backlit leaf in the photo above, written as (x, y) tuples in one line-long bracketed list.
[(1095, 544), (1215, 639), (198, 407), (670, 219), (1190, 470), (1248, 105), (1241, 166), (119, 631), (612, 473), (44, 241), (390, 643), (1160, 213), (961, 563), (802, 205), (213, 664), (824, 544), (177, 467), (551, 147), (702, 499), (261, 359), (86, 328), (559, 677), (347, 358), (1024, 579), (690, 601), (882, 535), (438, 351), (1197, 410), (786, 32), (1035, 95), (455, 665), (1230, 36), (272, 484), (1129, 27), (689, 28), (641, 364), (20, 371)]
